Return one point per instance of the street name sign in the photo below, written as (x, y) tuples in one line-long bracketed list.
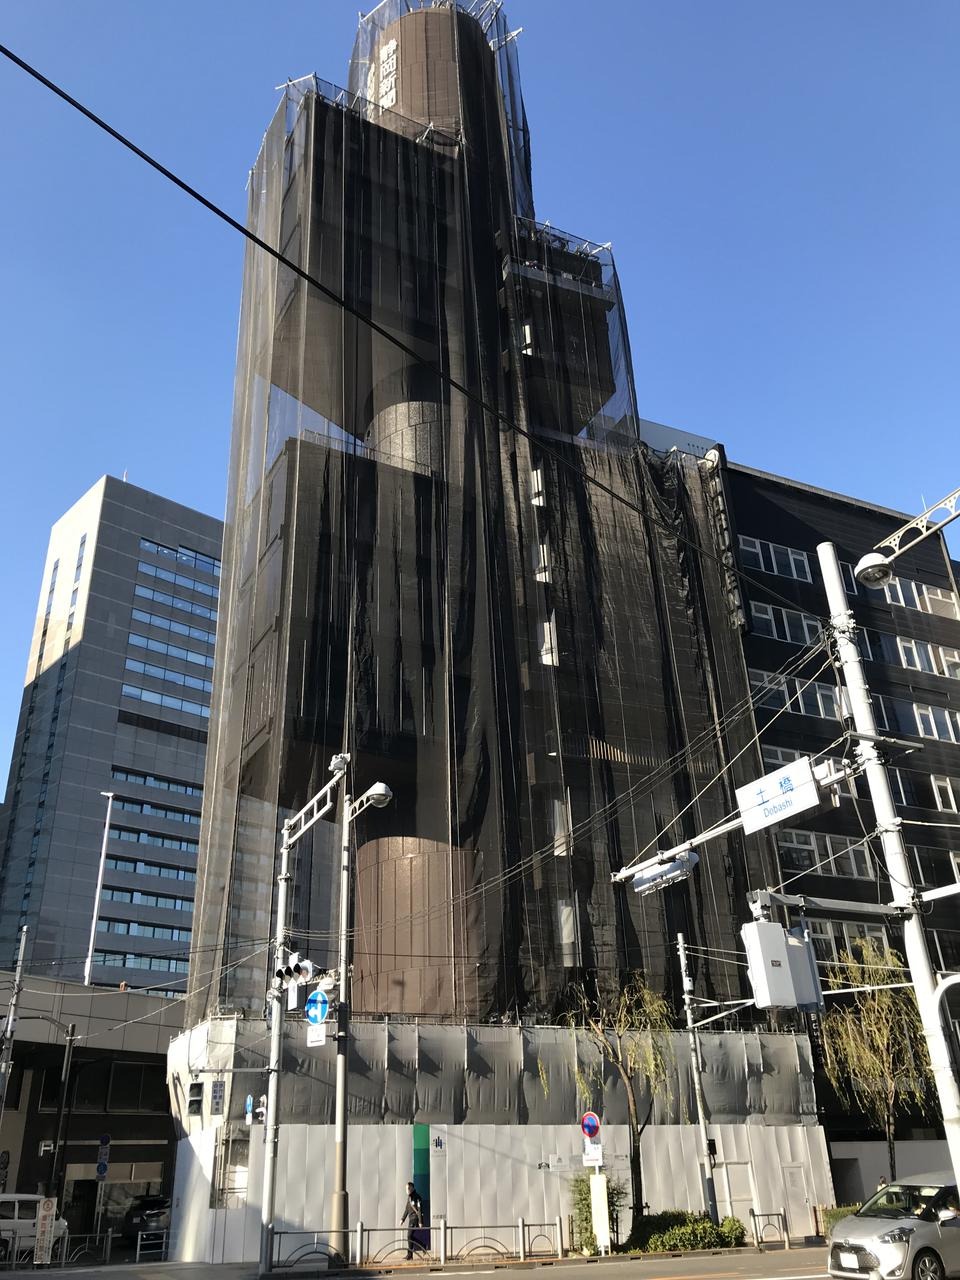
[(778, 796)]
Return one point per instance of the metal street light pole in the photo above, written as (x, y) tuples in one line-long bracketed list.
[(925, 984), (708, 1182), (95, 915), (378, 795), (293, 829)]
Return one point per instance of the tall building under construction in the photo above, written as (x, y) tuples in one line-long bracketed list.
[(447, 555)]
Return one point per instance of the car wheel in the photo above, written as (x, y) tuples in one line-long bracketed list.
[(927, 1266)]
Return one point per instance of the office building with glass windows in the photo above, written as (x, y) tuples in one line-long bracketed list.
[(116, 701)]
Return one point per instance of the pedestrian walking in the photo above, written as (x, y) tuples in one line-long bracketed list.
[(413, 1217)]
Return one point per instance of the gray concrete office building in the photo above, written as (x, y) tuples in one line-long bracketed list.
[(116, 700)]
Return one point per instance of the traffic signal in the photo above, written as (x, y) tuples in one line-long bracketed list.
[(260, 1110), (296, 973), (195, 1098)]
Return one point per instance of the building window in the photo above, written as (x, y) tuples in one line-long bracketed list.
[(915, 655), (807, 698), (771, 557), (168, 675), (156, 811), (826, 855), (537, 496), (939, 601), (548, 641), (183, 555), (134, 866), (784, 624), (849, 578), (170, 650), (171, 624), (175, 602), (946, 792), (151, 837), (137, 1086), (937, 722), (178, 579), (165, 700), (155, 780)]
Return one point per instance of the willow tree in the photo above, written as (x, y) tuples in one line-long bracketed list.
[(630, 1027), (874, 1050)]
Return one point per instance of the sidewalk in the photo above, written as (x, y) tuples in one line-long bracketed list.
[(800, 1259)]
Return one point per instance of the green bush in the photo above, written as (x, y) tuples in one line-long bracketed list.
[(677, 1229), (830, 1217), (733, 1232)]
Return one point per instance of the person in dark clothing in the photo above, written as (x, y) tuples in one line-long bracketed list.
[(413, 1217)]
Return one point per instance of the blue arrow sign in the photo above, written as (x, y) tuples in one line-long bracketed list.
[(316, 1008)]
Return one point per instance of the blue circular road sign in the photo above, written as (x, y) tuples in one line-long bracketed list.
[(316, 1008), (102, 1169)]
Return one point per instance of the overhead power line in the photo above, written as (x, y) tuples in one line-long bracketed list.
[(441, 374)]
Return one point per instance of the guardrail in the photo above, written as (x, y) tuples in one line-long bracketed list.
[(438, 1244)]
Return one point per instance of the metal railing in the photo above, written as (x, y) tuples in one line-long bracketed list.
[(768, 1227), (438, 1244), (152, 1246), (76, 1250)]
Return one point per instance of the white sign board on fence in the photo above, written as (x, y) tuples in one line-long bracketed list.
[(778, 796), (46, 1216), (592, 1153)]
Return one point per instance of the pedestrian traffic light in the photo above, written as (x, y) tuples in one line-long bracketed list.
[(260, 1110), (195, 1098)]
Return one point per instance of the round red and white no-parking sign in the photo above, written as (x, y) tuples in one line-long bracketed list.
[(590, 1124)]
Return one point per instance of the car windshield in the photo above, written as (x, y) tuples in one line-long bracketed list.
[(900, 1200)]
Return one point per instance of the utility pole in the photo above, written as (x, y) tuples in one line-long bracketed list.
[(10, 1026), (59, 1141), (926, 987), (275, 997), (705, 1158)]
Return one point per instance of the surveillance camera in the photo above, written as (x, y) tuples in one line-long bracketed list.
[(339, 762), (873, 570), (380, 795)]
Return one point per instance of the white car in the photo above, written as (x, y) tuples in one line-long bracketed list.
[(18, 1223), (909, 1229)]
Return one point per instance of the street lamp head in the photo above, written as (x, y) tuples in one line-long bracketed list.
[(380, 795), (873, 570), (339, 762)]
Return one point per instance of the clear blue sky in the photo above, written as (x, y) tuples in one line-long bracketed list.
[(779, 180)]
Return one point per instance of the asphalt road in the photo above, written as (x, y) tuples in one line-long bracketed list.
[(795, 1264)]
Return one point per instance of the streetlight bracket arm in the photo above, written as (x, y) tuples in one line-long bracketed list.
[(921, 526), (312, 811)]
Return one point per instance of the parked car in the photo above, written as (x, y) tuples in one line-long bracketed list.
[(910, 1228), (147, 1213), (18, 1223)]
